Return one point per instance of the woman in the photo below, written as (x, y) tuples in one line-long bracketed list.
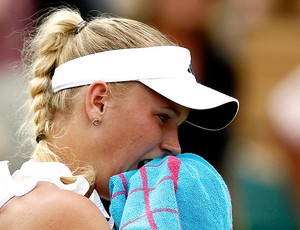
[(107, 96)]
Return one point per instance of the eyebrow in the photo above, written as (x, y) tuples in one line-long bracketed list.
[(174, 110), (177, 113)]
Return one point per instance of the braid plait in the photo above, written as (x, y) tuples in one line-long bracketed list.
[(47, 46), (45, 51)]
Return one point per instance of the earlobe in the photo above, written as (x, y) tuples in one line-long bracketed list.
[(95, 100), (96, 121)]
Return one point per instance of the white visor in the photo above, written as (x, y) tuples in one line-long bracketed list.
[(164, 69)]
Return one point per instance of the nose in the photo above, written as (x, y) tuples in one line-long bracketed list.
[(170, 143)]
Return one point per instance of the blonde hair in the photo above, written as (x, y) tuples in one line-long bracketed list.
[(56, 41)]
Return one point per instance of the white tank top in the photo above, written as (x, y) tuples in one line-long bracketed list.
[(26, 178)]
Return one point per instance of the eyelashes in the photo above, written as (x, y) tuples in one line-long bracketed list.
[(164, 117)]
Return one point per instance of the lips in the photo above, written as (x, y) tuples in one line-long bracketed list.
[(143, 162)]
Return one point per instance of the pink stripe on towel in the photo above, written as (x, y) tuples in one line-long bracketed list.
[(174, 165), (146, 198)]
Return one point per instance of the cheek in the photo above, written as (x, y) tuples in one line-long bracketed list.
[(141, 139)]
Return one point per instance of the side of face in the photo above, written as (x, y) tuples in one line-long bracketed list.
[(141, 125)]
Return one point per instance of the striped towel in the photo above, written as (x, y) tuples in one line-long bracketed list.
[(182, 192)]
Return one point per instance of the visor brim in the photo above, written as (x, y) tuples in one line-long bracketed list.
[(213, 110)]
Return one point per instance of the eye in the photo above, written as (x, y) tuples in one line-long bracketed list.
[(163, 117)]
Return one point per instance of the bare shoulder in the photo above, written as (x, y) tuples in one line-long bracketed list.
[(48, 207)]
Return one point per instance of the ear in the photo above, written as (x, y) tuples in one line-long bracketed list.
[(96, 100)]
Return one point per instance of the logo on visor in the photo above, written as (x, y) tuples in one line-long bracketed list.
[(190, 69)]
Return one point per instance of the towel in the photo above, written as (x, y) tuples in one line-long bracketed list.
[(182, 192)]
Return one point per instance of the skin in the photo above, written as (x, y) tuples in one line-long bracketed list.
[(137, 126), (146, 128), (44, 208)]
